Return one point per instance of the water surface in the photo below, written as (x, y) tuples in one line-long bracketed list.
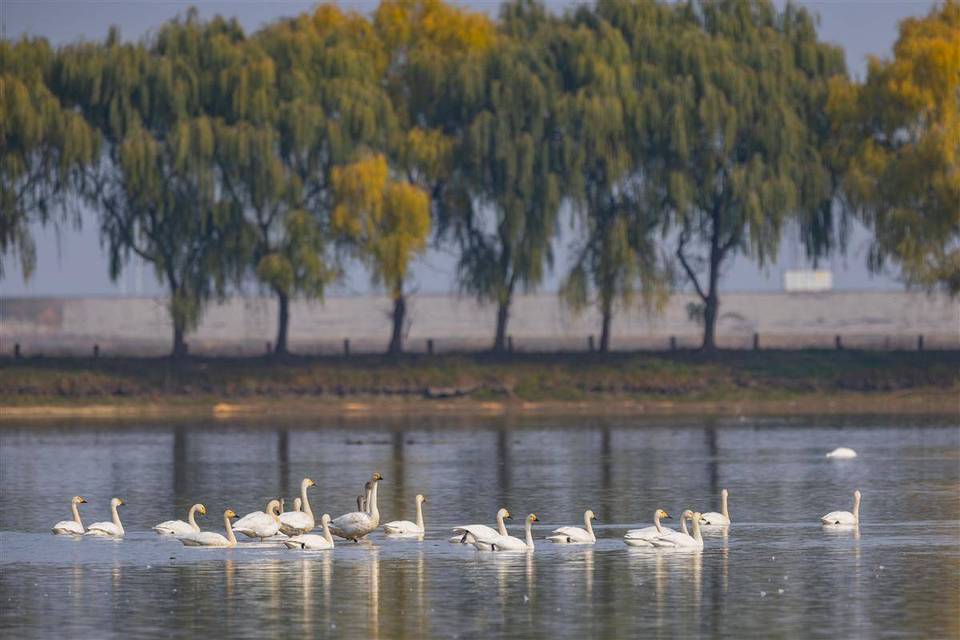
[(775, 573)]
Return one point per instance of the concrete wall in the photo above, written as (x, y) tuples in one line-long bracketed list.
[(56, 326)]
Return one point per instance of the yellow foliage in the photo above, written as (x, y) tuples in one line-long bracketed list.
[(387, 220), (433, 24)]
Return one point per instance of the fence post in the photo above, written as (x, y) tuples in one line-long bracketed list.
[(16, 351), (838, 342), (430, 346), (920, 342), (673, 343), (590, 344), (346, 346), (510, 344), (96, 351), (756, 342)]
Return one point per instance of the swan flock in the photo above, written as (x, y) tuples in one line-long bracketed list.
[(292, 529)]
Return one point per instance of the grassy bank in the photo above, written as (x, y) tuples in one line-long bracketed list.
[(688, 382)]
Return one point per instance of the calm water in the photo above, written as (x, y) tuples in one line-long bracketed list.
[(776, 573)]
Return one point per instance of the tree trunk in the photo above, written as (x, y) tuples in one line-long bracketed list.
[(607, 312), (712, 300), (399, 316), (503, 317), (179, 344), (283, 323)]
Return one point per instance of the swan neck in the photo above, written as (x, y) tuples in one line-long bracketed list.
[(529, 533), (723, 506), (116, 517), (366, 500), (501, 527), (76, 513), (420, 516), (656, 523), (326, 533), (856, 508), (588, 525), (229, 528), (374, 511), (305, 502), (683, 526), (696, 530), (191, 520)]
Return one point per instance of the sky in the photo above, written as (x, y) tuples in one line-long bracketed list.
[(70, 262)]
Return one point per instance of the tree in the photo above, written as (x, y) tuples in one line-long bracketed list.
[(615, 255), (387, 221), (901, 150), (155, 185), (45, 148), (510, 166), (730, 142)]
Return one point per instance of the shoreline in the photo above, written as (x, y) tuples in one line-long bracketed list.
[(926, 403)]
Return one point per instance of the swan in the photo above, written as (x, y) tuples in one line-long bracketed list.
[(509, 543), (722, 518), (71, 527), (108, 529), (179, 527), (671, 539), (844, 517), (261, 525), (468, 533), (294, 523), (405, 527), (357, 524), (312, 541), (297, 504), (842, 453), (361, 503), (642, 537), (253, 516), (212, 539), (576, 535)]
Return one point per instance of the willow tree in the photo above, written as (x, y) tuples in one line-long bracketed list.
[(387, 222), (45, 148), (155, 185), (615, 252), (901, 145), (731, 144), (510, 164)]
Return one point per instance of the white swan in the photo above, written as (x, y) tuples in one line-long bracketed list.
[(576, 535), (179, 527), (212, 539), (108, 529), (312, 541), (294, 523), (844, 517), (257, 515), (509, 543), (468, 533), (357, 524), (671, 539), (297, 504), (714, 518), (405, 527), (842, 453), (71, 527), (642, 537), (261, 525)]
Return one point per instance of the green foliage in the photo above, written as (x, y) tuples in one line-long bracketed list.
[(45, 148), (901, 146)]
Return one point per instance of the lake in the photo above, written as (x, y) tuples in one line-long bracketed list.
[(774, 573)]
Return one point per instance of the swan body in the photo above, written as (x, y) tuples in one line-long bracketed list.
[(405, 527), (357, 524), (642, 537), (844, 517), (842, 453), (259, 524), (71, 527), (311, 541), (468, 533), (714, 518), (212, 539), (576, 535), (294, 523), (179, 527), (509, 543), (682, 541), (256, 515), (108, 529)]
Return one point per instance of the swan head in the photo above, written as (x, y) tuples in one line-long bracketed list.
[(421, 498), (202, 510), (724, 493), (689, 514), (532, 517), (503, 513), (325, 519), (116, 502), (77, 500), (590, 515), (663, 514), (307, 482), (297, 504), (856, 494), (274, 507), (229, 513), (376, 477)]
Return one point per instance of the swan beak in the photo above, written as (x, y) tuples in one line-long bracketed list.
[(668, 517), (82, 501), (122, 502)]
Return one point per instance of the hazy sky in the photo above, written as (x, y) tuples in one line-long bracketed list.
[(71, 262)]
